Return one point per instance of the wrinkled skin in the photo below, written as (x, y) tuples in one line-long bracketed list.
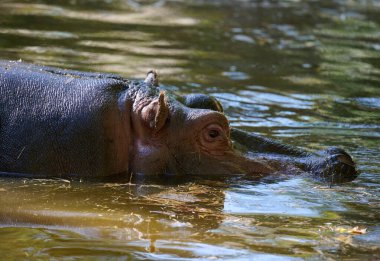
[(60, 123)]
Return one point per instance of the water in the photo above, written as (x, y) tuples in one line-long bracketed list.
[(303, 72)]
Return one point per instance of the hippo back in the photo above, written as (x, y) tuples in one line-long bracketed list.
[(56, 122)]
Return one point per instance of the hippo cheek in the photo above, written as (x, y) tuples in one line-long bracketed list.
[(203, 147), (150, 159), (228, 163)]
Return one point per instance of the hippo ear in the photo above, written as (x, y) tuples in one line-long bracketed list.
[(156, 113), (162, 112)]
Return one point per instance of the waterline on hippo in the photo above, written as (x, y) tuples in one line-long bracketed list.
[(63, 123)]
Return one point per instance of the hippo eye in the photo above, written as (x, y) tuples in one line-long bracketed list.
[(213, 133), (214, 138)]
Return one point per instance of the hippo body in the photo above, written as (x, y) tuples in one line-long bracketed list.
[(55, 122), (60, 123)]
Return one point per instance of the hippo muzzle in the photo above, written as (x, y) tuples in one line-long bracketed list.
[(332, 165)]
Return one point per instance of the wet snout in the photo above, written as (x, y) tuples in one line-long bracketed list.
[(333, 165), (338, 166)]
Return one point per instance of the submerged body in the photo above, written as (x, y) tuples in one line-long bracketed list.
[(59, 123)]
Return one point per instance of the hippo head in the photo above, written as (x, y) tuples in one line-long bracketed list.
[(191, 135)]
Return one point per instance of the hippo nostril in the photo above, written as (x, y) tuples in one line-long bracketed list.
[(344, 170), (346, 159), (345, 167)]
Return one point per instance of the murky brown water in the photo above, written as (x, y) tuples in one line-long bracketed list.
[(304, 72)]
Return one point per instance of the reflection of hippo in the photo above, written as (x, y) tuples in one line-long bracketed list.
[(56, 122)]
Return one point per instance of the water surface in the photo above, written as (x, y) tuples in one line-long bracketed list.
[(303, 72)]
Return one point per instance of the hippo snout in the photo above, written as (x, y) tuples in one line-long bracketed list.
[(336, 166), (332, 165)]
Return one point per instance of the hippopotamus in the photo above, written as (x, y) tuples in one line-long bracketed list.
[(65, 123)]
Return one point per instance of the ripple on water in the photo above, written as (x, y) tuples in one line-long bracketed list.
[(207, 252), (278, 99), (39, 33), (293, 197), (243, 38), (236, 75), (370, 102)]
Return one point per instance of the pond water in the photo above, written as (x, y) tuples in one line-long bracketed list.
[(303, 72)]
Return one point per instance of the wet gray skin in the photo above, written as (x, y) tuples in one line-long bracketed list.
[(62, 123)]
